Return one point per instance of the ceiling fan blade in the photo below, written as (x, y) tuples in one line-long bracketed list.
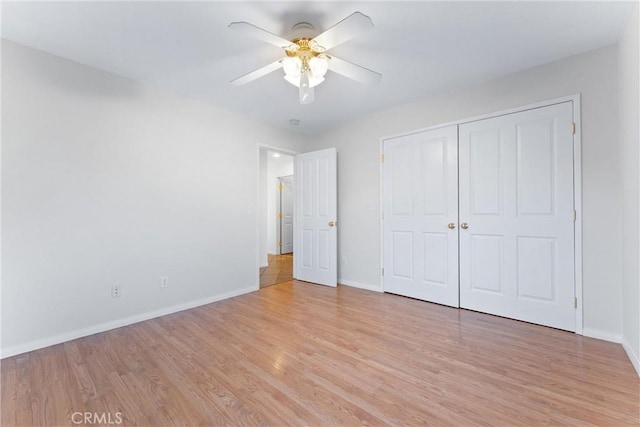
[(353, 71), (254, 75), (351, 26), (260, 34)]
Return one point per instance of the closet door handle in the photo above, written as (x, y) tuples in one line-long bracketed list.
[(451, 225), (464, 225)]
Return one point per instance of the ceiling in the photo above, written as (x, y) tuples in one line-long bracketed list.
[(421, 48)]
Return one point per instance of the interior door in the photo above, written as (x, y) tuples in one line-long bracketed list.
[(517, 216), (315, 237), (286, 214), (420, 216)]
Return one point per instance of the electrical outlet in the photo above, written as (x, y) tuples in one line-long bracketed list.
[(164, 282), (116, 291)]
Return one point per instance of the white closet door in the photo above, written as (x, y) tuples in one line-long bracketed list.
[(420, 188), (516, 195)]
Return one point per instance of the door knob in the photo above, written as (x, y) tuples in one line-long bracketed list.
[(333, 223), (451, 226), (464, 225)]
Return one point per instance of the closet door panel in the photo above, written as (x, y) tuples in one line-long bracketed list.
[(420, 251), (516, 195)]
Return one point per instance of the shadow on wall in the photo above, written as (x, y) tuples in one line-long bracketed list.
[(57, 73)]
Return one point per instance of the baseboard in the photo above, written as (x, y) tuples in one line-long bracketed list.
[(366, 286), (601, 335), (103, 327), (632, 356)]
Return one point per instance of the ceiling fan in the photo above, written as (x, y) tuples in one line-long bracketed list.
[(306, 62)]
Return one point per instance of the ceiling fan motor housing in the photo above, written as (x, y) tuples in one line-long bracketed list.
[(303, 30), (303, 45)]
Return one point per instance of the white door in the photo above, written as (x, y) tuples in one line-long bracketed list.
[(517, 216), (286, 214), (315, 237), (420, 216)]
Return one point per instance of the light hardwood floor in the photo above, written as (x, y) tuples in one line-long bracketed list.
[(302, 354)]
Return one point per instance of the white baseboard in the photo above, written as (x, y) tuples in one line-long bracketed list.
[(632, 355), (375, 288), (618, 339), (602, 335), (103, 327)]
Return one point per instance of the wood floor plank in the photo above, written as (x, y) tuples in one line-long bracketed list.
[(16, 401), (301, 354), (233, 343), (200, 382)]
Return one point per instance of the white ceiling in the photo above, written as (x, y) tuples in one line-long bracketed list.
[(421, 48)]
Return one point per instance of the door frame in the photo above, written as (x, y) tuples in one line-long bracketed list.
[(577, 185), (255, 206)]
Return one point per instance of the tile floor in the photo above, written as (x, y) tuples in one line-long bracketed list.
[(280, 270)]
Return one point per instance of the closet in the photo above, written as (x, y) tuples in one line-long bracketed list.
[(480, 215)]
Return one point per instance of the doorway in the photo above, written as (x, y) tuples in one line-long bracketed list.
[(276, 225), (285, 215)]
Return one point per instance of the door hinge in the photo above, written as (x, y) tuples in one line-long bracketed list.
[(280, 215), (280, 243), (573, 127), (383, 271), (575, 302), (280, 187), (381, 158), (382, 215), (575, 215)]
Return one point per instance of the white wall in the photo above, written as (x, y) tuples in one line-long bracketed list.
[(629, 88), (592, 74), (107, 181), (277, 167)]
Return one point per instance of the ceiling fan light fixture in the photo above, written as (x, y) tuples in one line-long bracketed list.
[(306, 96), (305, 69), (319, 65), (313, 81), (292, 66), (304, 80), (305, 91)]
